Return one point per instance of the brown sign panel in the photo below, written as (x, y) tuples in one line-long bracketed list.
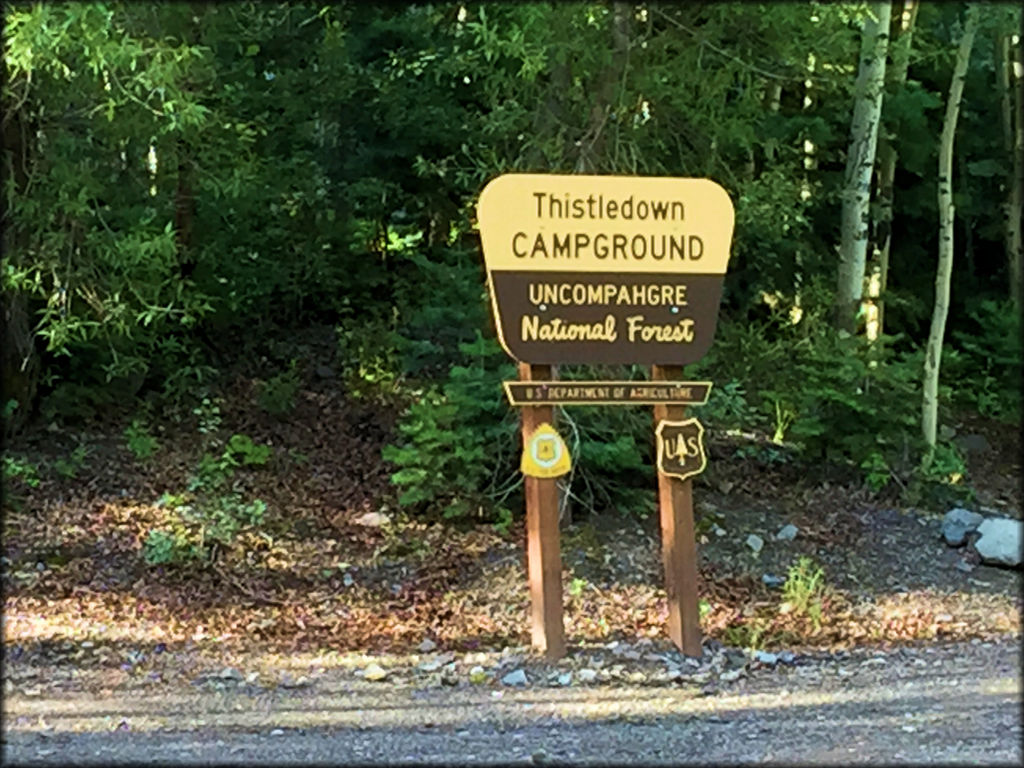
[(627, 318), (605, 269), (607, 392), (681, 448)]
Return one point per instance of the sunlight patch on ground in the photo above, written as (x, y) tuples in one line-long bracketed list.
[(347, 707)]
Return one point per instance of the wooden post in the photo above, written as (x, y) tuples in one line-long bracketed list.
[(678, 544), (544, 560)]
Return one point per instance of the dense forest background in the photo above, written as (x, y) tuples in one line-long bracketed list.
[(194, 187)]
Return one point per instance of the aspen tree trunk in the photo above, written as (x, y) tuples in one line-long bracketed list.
[(878, 280), (860, 161), (933, 352), (796, 312), (1011, 86)]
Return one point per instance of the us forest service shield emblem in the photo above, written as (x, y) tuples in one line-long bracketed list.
[(545, 454), (681, 448)]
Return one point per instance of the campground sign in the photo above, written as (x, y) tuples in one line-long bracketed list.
[(605, 269)]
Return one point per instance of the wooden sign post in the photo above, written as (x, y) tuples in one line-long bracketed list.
[(678, 542), (543, 555), (608, 270)]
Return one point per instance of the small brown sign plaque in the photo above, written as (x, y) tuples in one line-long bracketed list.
[(681, 448), (607, 392)]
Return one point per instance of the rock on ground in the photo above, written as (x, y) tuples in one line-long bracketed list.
[(957, 524), (786, 533), (1000, 541)]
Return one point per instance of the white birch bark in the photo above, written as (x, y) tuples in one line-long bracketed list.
[(933, 352), (860, 161), (878, 280), (1011, 86)]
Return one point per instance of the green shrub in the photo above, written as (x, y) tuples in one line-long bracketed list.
[(985, 364), (69, 467), (370, 367), (251, 454), (458, 453), (213, 516), (277, 394), (21, 469), (140, 442)]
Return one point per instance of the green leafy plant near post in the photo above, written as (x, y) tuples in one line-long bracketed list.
[(458, 453), (804, 591)]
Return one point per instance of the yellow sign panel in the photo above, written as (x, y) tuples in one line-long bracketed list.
[(545, 454), (541, 222), (605, 269)]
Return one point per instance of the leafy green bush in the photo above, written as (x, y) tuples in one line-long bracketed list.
[(212, 516), (459, 449), (140, 442), (21, 469), (370, 360), (613, 457), (987, 371), (817, 396), (277, 394), (69, 467)]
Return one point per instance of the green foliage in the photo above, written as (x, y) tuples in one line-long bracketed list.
[(876, 471), (208, 415), (612, 450), (242, 447), (277, 394), (728, 408), (944, 465), (370, 360), (213, 515), (824, 397), (847, 403), (163, 546), (576, 587), (987, 372), (69, 467), (21, 469), (140, 442), (804, 590), (458, 451)]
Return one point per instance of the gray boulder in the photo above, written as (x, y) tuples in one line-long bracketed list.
[(1000, 541), (957, 524)]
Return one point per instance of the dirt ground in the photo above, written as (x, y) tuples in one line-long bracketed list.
[(952, 703), (315, 579)]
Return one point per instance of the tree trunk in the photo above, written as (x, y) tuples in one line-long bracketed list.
[(860, 161), (903, 31), (20, 366), (1011, 85), (593, 146), (933, 352)]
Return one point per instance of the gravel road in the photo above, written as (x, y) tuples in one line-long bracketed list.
[(940, 703)]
